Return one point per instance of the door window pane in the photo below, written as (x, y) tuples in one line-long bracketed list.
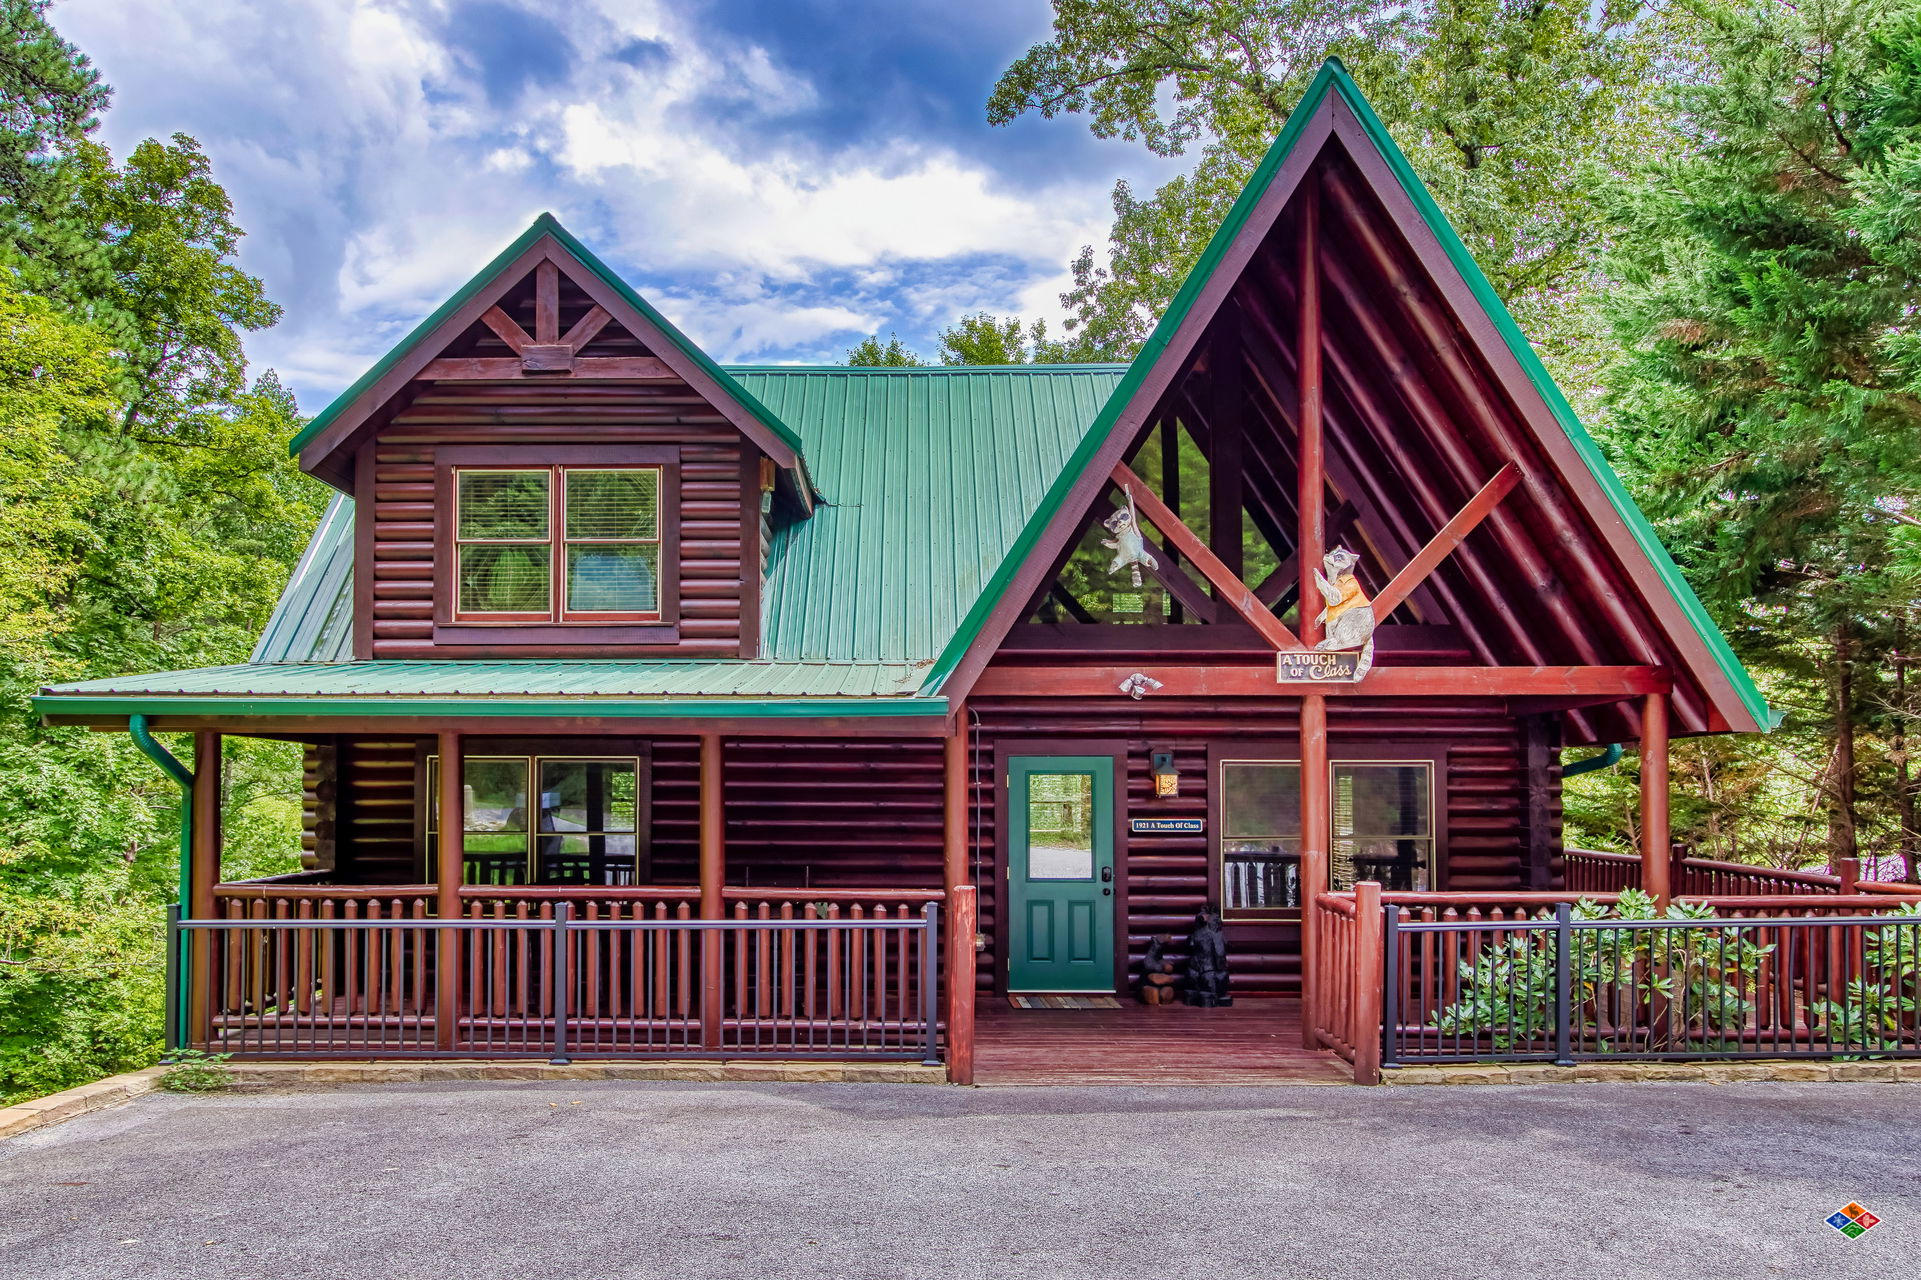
[(1060, 826)]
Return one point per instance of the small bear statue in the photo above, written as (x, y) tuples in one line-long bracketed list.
[(1157, 971)]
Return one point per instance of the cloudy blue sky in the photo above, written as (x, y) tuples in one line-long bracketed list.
[(780, 177)]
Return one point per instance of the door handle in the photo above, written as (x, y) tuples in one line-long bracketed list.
[(1107, 875)]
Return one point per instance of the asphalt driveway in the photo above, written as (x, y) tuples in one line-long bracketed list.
[(603, 1180)]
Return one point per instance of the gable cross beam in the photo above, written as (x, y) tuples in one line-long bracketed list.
[(1451, 535), (546, 350), (1231, 591)]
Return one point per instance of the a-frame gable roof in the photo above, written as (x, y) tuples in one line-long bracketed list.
[(320, 444), (1334, 119)]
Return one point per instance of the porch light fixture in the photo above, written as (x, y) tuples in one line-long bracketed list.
[(1139, 685), (1167, 779)]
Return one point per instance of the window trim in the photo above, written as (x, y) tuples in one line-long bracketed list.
[(556, 626), (1272, 752)]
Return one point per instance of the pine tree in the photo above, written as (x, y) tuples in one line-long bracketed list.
[(1767, 396)]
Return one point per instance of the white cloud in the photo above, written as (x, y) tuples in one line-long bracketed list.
[(375, 172)]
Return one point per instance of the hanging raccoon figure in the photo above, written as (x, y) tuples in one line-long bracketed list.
[(1348, 617), (1128, 544)]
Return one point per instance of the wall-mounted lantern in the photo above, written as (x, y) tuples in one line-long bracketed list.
[(1167, 779)]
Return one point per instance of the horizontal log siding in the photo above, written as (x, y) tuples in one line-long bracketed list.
[(377, 792), (405, 577), (1483, 792), (819, 813)]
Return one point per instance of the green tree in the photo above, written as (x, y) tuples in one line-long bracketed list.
[(1509, 109), (50, 99), (892, 354), (1767, 398)]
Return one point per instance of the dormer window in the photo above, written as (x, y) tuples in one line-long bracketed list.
[(568, 548), (557, 544)]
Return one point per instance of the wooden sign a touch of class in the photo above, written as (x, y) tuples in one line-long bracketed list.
[(1296, 666)]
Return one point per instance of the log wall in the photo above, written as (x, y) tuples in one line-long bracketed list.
[(394, 501), (1481, 803), (866, 813)]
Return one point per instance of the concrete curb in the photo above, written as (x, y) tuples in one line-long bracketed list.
[(113, 1091), (1797, 1072), (301, 1075)]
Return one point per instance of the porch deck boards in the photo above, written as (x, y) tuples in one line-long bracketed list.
[(1253, 1042)]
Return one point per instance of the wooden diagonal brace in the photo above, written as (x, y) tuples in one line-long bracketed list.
[(1429, 557), (586, 329), (506, 329), (1234, 593)]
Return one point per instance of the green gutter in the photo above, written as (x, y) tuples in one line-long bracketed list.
[(142, 705), (144, 739), (1334, 79), (1607, 759)]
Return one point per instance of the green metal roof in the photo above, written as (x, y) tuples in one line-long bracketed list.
[(1333, 79), (574, 687), (313, 621), (926, 476)]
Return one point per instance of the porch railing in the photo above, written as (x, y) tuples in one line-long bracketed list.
[(1564, 990), (552, 984), (1592, 871)]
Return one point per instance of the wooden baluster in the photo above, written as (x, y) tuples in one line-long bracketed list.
[(832, 940)]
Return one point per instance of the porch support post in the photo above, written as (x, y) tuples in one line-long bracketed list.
[(713, 879), (449, 871), (203, 873), (1311, 505), (961, 909), (1656, 841), (1315, 809)]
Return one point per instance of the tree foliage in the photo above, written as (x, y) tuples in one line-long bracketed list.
[(1510, 110), (150, 516), (1765, 392)]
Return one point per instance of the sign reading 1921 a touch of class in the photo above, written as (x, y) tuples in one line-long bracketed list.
[(1312, 666), (1165, 826)]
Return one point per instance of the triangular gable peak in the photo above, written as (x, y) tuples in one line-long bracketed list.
[(1437, 416), (546, 310)]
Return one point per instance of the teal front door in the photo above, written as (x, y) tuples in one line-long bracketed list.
[(1060, 873)]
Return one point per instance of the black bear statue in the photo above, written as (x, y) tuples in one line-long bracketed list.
[(1206, 985)]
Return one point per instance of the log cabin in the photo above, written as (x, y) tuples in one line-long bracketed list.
[(837, 712)]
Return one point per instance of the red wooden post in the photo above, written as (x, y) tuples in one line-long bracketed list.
[(1311, 494), (449, 871), (961, 909), (1315, 808), (963, 919), (1656, 840), (1367, 977), (713, 877), (203, 874), (1849, 869)]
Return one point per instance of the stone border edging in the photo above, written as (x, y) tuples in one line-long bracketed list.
[(293, 1075), (1781, 1070), (114, 1091)]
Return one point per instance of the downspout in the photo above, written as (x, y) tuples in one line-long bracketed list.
[(144, 739), (1608, 758)]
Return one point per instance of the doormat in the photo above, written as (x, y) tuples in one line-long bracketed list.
[(1064, 1002)]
